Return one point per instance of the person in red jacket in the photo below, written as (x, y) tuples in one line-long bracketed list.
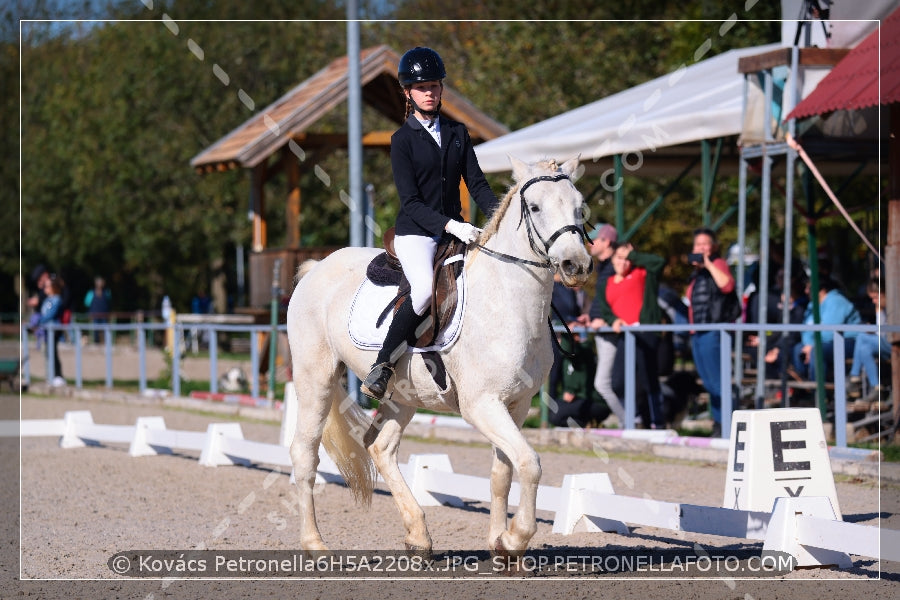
[(629, 297), (430, 155)]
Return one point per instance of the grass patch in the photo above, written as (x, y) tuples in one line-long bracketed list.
[(890, 452)]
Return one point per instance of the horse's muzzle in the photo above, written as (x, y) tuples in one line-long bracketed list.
[(575, 273)]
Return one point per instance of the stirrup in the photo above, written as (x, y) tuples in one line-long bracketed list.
[(376, 382)]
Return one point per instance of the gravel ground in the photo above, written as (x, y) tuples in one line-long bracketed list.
[(81, 506)]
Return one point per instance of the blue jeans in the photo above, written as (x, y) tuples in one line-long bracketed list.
[(705, 348), (866, 353), (807, 370)]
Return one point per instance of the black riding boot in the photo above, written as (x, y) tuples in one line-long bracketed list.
[(398, 338)]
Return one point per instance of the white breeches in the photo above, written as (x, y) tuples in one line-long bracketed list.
[(416, 254)]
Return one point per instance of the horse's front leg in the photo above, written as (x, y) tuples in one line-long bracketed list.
[(501, 426), (501, 481), (383, 441)]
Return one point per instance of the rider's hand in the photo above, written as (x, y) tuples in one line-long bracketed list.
[(466, 232)]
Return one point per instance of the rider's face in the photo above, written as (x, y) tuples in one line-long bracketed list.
[(426, 94)]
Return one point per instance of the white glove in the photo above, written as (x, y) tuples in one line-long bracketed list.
[(466, 232)]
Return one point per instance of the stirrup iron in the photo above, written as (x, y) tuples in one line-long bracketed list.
[(376, 382)]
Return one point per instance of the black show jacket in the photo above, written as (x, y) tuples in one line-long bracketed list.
[(427, 177)]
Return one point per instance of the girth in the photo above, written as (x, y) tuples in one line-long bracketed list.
[(385, 269)]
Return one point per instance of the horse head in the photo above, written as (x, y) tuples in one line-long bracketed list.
[(550, 210)]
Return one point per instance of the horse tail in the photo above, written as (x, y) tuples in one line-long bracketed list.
[(304, 268), (342, 437)]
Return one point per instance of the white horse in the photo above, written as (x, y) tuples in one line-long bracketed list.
[(494, 367)]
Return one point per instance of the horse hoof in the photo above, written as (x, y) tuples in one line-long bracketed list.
[(316, 549), (421, 551), (498, 549)]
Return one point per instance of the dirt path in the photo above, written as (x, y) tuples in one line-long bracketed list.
[(82, 506)]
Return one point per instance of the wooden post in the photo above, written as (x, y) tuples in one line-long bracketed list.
[(258, 206), (292, 206), (891, 275)]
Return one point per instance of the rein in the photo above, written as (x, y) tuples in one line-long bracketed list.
[(563, 351), (525, 215)]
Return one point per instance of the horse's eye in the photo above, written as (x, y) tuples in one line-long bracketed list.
[(534, 208)]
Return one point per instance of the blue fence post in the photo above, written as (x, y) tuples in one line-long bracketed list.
[(254, 363), (78, 359), (51, 367), (629, 382), (176, 360), (840, 398), (213, 359), (108, 353), (26, 359), (725, 375), (142, 358)]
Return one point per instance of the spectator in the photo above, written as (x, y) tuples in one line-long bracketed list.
[(201, 304), (674, 311), (39, 278), (51, 312), (603, 244), (870, 348), (712, 299), (629, 297), (567, 304), (779, 345), (98, 302), (579, 405), (834, 309)]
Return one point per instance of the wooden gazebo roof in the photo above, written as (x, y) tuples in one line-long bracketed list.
[(290, 117)]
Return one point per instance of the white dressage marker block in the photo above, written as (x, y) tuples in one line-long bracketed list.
[(572, 506), (782, 535), (212, 454), (71, 421), (416, 467), (139, 445), (777, 453)]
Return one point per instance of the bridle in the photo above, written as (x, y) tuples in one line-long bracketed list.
[(534, 235)]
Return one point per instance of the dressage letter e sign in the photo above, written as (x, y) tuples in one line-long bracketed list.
[(774, 453)]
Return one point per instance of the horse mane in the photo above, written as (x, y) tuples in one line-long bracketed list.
[(491, 228)]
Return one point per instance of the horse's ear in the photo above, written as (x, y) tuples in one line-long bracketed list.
[(519, 168), (572, 168)]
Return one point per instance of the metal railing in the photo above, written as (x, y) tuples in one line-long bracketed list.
[(143, 331), (727, 345)]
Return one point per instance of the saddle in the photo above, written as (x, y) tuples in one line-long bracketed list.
[(385, 270)]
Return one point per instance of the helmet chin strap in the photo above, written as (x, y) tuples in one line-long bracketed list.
[(431, 114)]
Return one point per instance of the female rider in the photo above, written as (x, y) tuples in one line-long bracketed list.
[(430, 154)]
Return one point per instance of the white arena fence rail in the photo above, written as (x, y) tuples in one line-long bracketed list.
[(731, 335), (805, 528)]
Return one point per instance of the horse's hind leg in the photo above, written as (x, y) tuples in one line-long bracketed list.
[(383, 441), (314, 396)]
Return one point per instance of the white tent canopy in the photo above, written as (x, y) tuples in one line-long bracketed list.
[(701, 101)]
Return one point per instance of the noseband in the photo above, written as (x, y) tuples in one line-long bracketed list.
[(525, 215)]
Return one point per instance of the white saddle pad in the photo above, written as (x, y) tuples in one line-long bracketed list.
[(370, 301)]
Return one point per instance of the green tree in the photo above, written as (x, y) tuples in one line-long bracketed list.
[(113, 112)]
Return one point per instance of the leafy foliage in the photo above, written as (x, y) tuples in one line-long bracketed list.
[(113, 112)]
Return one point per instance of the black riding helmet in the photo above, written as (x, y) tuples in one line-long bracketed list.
[(420, 64)]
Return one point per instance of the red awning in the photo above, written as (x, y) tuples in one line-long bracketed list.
[(854, 82)]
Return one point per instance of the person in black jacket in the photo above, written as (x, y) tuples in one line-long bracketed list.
[(430, 154)]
